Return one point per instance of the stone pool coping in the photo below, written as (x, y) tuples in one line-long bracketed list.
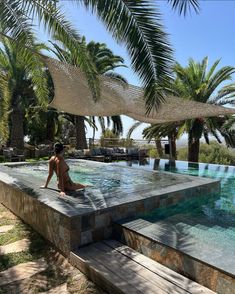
[(209, 275), (70, 222)]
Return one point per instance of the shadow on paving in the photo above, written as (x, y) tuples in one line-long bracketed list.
[(58, 271)]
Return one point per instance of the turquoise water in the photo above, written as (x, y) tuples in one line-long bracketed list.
[(103, 178), (220, 205), (202, 227)]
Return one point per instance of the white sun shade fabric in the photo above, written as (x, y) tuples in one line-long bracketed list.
[(72, 95)]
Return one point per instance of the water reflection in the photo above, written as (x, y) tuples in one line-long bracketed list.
[(222, 204)]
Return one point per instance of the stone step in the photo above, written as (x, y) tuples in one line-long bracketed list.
[(120, 269), (22, 271), (4, 229), (18, 246), (61, 289)]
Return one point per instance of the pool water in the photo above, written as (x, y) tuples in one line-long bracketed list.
[(213, 206), (203, 227), (105, 178)]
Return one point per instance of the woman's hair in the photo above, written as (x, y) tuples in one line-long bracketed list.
[(58, 147)]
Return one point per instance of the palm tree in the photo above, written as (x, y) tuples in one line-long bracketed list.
[(136, 24), (22, 80), (156, 132), (198, 83), (104, 62), (227, 130), (42, 124), (155, 137)]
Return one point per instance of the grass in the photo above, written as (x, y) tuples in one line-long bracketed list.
[(59, 271), (12, 259), (17, 233), (37, 159)]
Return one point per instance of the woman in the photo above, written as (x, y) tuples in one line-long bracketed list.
[(58, 165)]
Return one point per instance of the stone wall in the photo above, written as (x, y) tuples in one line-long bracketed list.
[(196, 270)]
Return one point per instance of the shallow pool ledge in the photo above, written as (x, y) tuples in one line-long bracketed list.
[(72, 221)]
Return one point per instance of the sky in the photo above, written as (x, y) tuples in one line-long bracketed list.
[(210, 33)]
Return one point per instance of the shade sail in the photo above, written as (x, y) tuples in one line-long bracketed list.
[(72, 95)]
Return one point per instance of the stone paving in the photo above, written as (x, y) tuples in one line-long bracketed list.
[(22, 271), (18, 246), (4, 229)]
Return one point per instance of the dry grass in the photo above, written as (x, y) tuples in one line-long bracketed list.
[(59, 271)]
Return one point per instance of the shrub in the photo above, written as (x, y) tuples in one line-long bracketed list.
[(212, 153), (152, 152)]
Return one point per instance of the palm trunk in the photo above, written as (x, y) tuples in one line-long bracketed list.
[(80, 132), (17, 128), (172, 142), (159, 147), (173, 148), (193, 148), (50, 129)]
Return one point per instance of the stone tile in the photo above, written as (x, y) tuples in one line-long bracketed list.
[(22, 271), (98, 234), (108, 232), (207, 276), (225, 285), (18, 246), (76, 223), (102, 220), (4, 229), (86, 237), (88, 222), (75, 238)]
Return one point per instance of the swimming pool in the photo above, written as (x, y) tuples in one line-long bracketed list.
[(196, 236), (220, 206), (87, 216)]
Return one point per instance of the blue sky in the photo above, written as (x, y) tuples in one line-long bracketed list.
[(210, 33)]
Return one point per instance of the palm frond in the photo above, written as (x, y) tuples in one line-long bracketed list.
[(216, 135), (117, 77), (206, 136), (14, 20), (138, 26), (102, 123), (117, 124), (184, 6), (132, 128), (224, 96), (224, 74)]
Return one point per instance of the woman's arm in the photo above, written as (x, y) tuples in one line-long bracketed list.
[(60, 177), (50, 173)]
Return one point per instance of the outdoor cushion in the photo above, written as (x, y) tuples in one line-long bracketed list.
[(87, 152)]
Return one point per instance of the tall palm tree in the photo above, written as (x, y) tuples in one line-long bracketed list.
[(104, 62), (22, 80), (199, 83), (136, 24)]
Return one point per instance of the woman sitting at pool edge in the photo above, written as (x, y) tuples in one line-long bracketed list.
[(58, 165)]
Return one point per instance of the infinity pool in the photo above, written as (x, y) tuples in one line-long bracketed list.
[(82, 217), (105, 178), (219, 206), (201, 227)]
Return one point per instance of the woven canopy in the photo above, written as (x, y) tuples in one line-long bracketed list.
[(72, 95)]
